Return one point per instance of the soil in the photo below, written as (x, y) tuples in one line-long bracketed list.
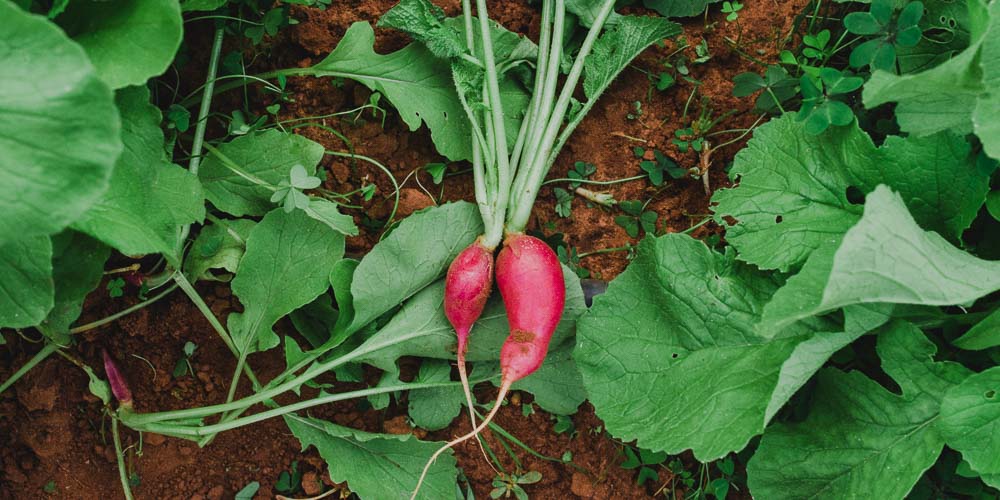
[(55, 441)]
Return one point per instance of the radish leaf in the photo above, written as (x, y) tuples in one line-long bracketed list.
[(861, 440), (148, 197), (377, 465), (27, 292), (888, 258), (411, 257), (127, 41), (286, 265), (218, 246), (794, 193), (434, 409), (59, 130), (77, 268), (970, 422)]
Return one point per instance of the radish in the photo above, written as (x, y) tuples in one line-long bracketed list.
[(466, 288), (530, 279)]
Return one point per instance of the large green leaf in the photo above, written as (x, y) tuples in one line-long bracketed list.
[(127, 41), (614, 50), (985, 116), (421, 329), (26, 287), (970, 422), (414, 255), (286, 265), (268, 156), (59, 130), (77, 268), (860, 440), (793, 192), (417, 83), (888, 258), (377, 465), (149, 197), (670, 357)]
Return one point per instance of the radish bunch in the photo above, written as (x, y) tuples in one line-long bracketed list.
[(507, 180)]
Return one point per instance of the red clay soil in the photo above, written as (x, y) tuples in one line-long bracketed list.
[(54, 441)]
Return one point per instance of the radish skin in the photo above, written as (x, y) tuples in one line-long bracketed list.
[(117, 381), (467, 286), (530, 279)]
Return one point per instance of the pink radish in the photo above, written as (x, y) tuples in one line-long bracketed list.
[(530, 279), (466, 288), (117, 381)]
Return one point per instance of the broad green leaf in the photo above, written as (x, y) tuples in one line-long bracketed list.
[(26, 288), (327, 212), (421, 329), (982, 335), (149, 197), (860, 440), (970, 422), (673, 336), (77, 268), (678, 8), (415, 254), (218, 246), (268, 156), (128, 42), (315, 320), (887, 258), (286, 265), (417, 83), (59, 129), (377, 465), (434, 409), (616, 48), (793, 189)]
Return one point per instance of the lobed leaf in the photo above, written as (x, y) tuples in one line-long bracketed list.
[(287, 264)]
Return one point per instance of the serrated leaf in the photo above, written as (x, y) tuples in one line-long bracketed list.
[(860, 440), (423, 21), (26, 288), (268, 156), (423, 245), (77, 268), (792, 195), (128, 42), (616, 48), (681, 316), (885, 258), (417, 83), (377, 465), (148, 197), (286, 265), (59, 129)]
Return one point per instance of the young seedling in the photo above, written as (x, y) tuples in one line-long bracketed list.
[(646, 461), (183, 366), (505, 485)]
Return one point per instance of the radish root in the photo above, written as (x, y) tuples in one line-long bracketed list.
[(504, 387)]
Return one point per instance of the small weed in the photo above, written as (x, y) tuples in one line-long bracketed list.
[(289, 481), (564, 425), (116, 287), (660, 166), (248, 491), (636, 217), (646, 461), (50, 487), (289, 192), (505, 485), (732, 10), (183, 366)]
